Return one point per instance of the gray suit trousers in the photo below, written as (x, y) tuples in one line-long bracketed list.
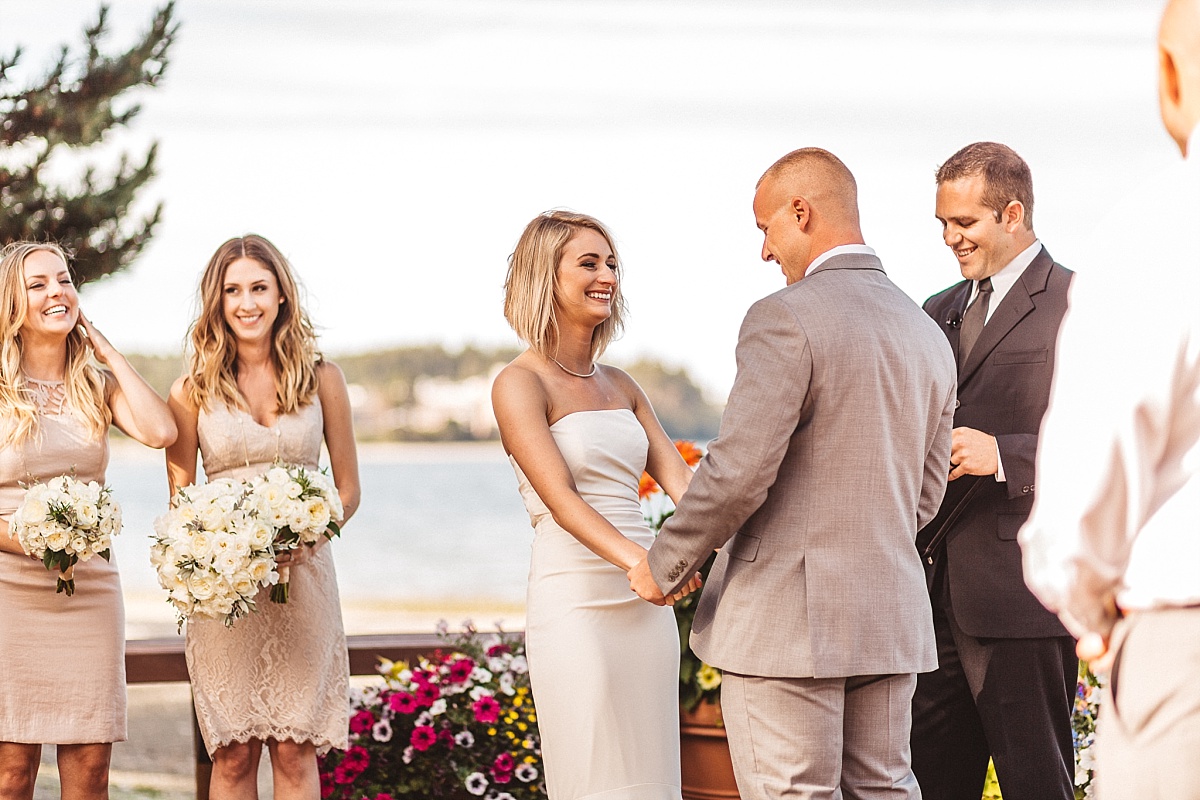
[(820, 738)]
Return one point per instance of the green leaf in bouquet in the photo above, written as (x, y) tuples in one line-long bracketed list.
[(106, 554), (49, 558), (332, 530)]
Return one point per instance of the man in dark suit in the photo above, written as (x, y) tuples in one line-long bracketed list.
[(1006, 678)]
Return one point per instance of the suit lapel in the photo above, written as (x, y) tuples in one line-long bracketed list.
[(1012, 309)]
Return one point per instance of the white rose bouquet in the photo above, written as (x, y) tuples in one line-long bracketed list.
[(302, 506), (213, 551), (65, 521)]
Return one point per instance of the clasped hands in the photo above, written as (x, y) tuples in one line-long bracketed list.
[(642, 582)]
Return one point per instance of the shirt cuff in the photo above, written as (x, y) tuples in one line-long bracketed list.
[(999, 466)]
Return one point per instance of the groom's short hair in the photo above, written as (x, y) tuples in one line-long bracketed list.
[(814, 169), (1006, 176)]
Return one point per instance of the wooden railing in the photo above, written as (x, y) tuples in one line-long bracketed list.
[(162, 661)]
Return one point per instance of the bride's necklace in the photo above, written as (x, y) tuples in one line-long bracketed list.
[(571, 372)]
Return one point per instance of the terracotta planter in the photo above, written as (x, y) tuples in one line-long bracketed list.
[(704, 753)]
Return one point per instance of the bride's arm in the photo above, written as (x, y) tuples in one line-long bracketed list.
[(663, 461), (181, 455), (520, 404)]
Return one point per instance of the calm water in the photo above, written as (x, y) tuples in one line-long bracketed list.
[(437, 523)]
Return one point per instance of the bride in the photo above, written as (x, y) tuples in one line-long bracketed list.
[(603, 664)]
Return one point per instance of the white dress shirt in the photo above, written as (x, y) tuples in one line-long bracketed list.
[(840, 250), (1002, 281), (1117, 514)]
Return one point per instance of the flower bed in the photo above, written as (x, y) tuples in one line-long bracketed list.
[(460, 723)]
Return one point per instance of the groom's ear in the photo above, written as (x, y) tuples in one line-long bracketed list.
[(802, 212)]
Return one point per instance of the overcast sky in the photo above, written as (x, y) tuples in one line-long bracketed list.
[(395, 150)]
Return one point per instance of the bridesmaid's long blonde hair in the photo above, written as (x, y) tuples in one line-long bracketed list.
[(212, 371), (83, 381)]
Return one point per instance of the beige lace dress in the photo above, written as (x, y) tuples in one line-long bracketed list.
[(281, 672), (62, 659)]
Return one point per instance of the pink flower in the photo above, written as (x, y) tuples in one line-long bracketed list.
[(357, 759), (402, 702), (383, 796), (341, 775), (486, 709), (447, 738), (362, 722), (421, 677), (504, 762), (427, 693), (497, 650), (461, 670), (423, 737)]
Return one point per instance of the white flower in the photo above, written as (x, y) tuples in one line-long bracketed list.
[(407, 757), (526, 772), (481, 675), (480, 691), (438, 707), (202, 586), (382, 731), (504, 796), (519, 665), (57, 540), (424, 718), (464, 739), (476, 784)]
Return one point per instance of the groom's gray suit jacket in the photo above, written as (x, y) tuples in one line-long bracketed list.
[(833, 451)]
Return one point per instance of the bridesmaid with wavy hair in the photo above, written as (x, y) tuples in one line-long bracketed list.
[(257, 391), (62, 678)]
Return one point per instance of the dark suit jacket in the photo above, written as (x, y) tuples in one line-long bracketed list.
[(1003, 390)]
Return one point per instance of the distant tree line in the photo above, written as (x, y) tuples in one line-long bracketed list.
[(387, 380)]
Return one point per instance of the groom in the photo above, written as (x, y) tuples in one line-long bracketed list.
[(833, 450)]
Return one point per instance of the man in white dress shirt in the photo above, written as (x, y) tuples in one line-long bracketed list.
[(1114, 541)]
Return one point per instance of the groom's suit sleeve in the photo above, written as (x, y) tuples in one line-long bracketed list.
[(774, 372)]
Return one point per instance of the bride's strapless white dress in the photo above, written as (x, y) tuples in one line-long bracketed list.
[(603, 663)]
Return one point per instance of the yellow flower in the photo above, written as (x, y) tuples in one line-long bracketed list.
[(491, 731), (707, 677), (529, 759)]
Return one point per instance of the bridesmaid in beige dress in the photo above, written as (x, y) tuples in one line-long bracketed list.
[(257, 391), (62, 673)]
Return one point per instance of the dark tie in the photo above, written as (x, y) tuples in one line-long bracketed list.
[(972, 323)]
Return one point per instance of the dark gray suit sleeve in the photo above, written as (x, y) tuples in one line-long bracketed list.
[(774, 371)]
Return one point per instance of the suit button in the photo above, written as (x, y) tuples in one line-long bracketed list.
[(1024, 490), (957, 402)]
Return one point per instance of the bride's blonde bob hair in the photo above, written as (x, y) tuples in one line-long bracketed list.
[(212, 369), (531, 286), (83, 382)]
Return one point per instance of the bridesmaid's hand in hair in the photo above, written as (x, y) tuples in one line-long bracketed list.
[(101, 347)]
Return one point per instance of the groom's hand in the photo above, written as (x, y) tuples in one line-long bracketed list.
[(642, 582)]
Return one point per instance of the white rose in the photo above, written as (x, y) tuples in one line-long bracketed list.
[(227, 562), (202, 585), (87, 514), (261, 570), (57, 540)]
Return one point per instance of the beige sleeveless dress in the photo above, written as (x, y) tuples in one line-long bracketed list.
[(62, 659), (281, 672)]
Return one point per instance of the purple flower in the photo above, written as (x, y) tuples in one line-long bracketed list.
[(362, 722), (486, 709), (403, 703), (423, 737)]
